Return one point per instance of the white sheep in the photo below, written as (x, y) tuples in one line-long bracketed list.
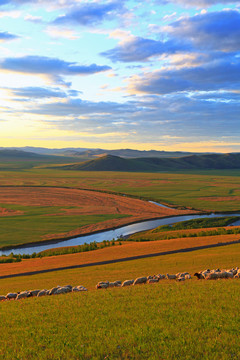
[(171, 277), (79, 288), (102, 285), (11, 296), (23, 295), (34, 292), (140, 280), (152, 281), (127, 283), (42, 293)]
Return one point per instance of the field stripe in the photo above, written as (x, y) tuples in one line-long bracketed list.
[(107, 262)]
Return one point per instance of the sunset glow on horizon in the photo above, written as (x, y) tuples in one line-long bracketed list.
[(149, 75)]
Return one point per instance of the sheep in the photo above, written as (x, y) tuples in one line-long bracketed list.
[(2, 297), (199, 275), (186, 276), (171, 277), (229, 274), (153, 281), (68, 286), (63, 290), (42, 293), (23, 295), (141, 280), (211, 276), (34, 292), (11, 296), (127, 283), (115, 284), (79, 288), (233, 271), (102, 285), (54, 290), (161, 276), (180, 275), (181, 278)]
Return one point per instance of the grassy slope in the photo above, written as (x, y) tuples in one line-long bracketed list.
[(126, 250), (169, 320)]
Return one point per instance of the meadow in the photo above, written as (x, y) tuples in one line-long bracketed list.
[(26, 218), (169, 320), (34, 214), (196, 319), (205, 190)]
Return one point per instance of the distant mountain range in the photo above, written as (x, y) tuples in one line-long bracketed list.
[(94, 153), (165, 161), (192, 162), (18, 159)]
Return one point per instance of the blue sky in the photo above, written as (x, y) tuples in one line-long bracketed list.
[(153, 74)]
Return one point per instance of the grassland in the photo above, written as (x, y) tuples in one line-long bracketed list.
[(168, 320), (117, 252), (205, 190), (208, 191), (33, 214)]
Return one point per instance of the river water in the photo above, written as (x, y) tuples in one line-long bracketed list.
[(113, 234)]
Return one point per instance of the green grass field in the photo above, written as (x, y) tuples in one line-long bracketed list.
[(205, 190), (169, 320), (17, 230), (212, 191)]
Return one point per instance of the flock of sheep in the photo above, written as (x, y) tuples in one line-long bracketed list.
[(143, 280), (204, 274), (54, 291), (218, 274)]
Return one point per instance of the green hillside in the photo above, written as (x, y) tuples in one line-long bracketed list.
[(197, 162)]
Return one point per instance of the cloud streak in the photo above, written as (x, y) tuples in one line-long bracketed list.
[(41, 93), (91, 13), (221, 75), (51, 67), (210, 32), (216, 31), (140, 49), (197, 3), (6, 36)]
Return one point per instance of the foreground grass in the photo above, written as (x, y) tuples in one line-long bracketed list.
[(168, 320), (197, 320)]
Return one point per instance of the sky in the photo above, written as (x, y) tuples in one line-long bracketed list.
[(153, 74)]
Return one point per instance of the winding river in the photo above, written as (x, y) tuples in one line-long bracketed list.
[(113, 234)]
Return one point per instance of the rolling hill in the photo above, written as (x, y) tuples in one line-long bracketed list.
[(197, 162), (19, 159)]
